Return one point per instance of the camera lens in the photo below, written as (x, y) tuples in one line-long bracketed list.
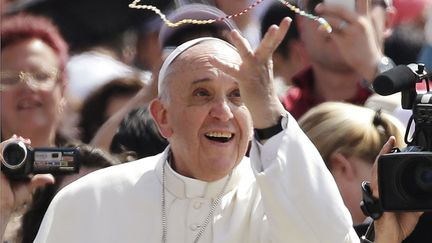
[(417, 180), (14, 154), (423, 175)]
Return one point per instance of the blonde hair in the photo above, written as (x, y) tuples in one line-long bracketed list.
[(336, 127)]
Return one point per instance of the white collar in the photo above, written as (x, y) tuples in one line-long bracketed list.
[(185, 187)]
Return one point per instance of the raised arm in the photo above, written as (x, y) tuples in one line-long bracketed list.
[(255, 75), (300, 198)]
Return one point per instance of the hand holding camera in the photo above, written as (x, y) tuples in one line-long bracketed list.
[(19, 160), (405, 176), (401, 187), (15, 194), (391, 226)]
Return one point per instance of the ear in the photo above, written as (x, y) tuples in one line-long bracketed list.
[(159, 114), (63, 99), (63, 79), (62, 85), (341, 167)]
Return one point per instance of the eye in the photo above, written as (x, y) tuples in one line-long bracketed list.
[(201, 92), (235, 93), (235, 97), (41, 77)]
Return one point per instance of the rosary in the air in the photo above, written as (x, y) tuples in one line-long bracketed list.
[(323, 23)]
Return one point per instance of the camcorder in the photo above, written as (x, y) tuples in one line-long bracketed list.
[(405, 175), (20, 160)]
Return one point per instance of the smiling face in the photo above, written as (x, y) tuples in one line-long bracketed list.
[(28, 110), (204, 119)]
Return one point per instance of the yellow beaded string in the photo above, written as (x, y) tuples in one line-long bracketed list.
[(324, 24), (135, 5)]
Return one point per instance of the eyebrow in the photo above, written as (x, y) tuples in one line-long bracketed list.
[(202, 80)]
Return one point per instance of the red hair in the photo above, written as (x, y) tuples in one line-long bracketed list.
[(25, 26)]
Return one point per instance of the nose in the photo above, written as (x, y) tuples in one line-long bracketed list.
[(28, 84), (221, 110), (25, 87)]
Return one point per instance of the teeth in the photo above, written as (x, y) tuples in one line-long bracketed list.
[(219, 134)]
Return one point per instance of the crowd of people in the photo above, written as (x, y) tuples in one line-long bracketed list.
[(257, 128)]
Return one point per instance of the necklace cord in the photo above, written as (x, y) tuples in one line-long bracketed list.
[(135, 5)]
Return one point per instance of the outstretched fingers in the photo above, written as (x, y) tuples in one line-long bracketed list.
[(272, 39), (242, 45)]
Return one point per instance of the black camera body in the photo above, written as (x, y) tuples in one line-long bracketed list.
[(405, 181), (20, 161), (405, 176)]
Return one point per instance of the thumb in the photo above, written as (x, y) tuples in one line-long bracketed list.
[(387, 147)]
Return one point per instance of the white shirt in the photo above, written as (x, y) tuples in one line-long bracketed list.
[(284, 193)]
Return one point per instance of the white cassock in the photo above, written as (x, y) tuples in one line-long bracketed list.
[(284, 193)]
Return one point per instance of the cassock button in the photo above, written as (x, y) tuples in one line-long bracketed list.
[(194, 226), (197, 205)]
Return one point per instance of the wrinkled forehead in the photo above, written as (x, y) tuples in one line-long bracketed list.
[(198, 47)]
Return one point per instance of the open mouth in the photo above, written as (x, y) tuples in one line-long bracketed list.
[(28, 104), (221, 137)]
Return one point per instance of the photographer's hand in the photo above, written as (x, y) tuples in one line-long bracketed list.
[(15, 194), (391, 227)]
